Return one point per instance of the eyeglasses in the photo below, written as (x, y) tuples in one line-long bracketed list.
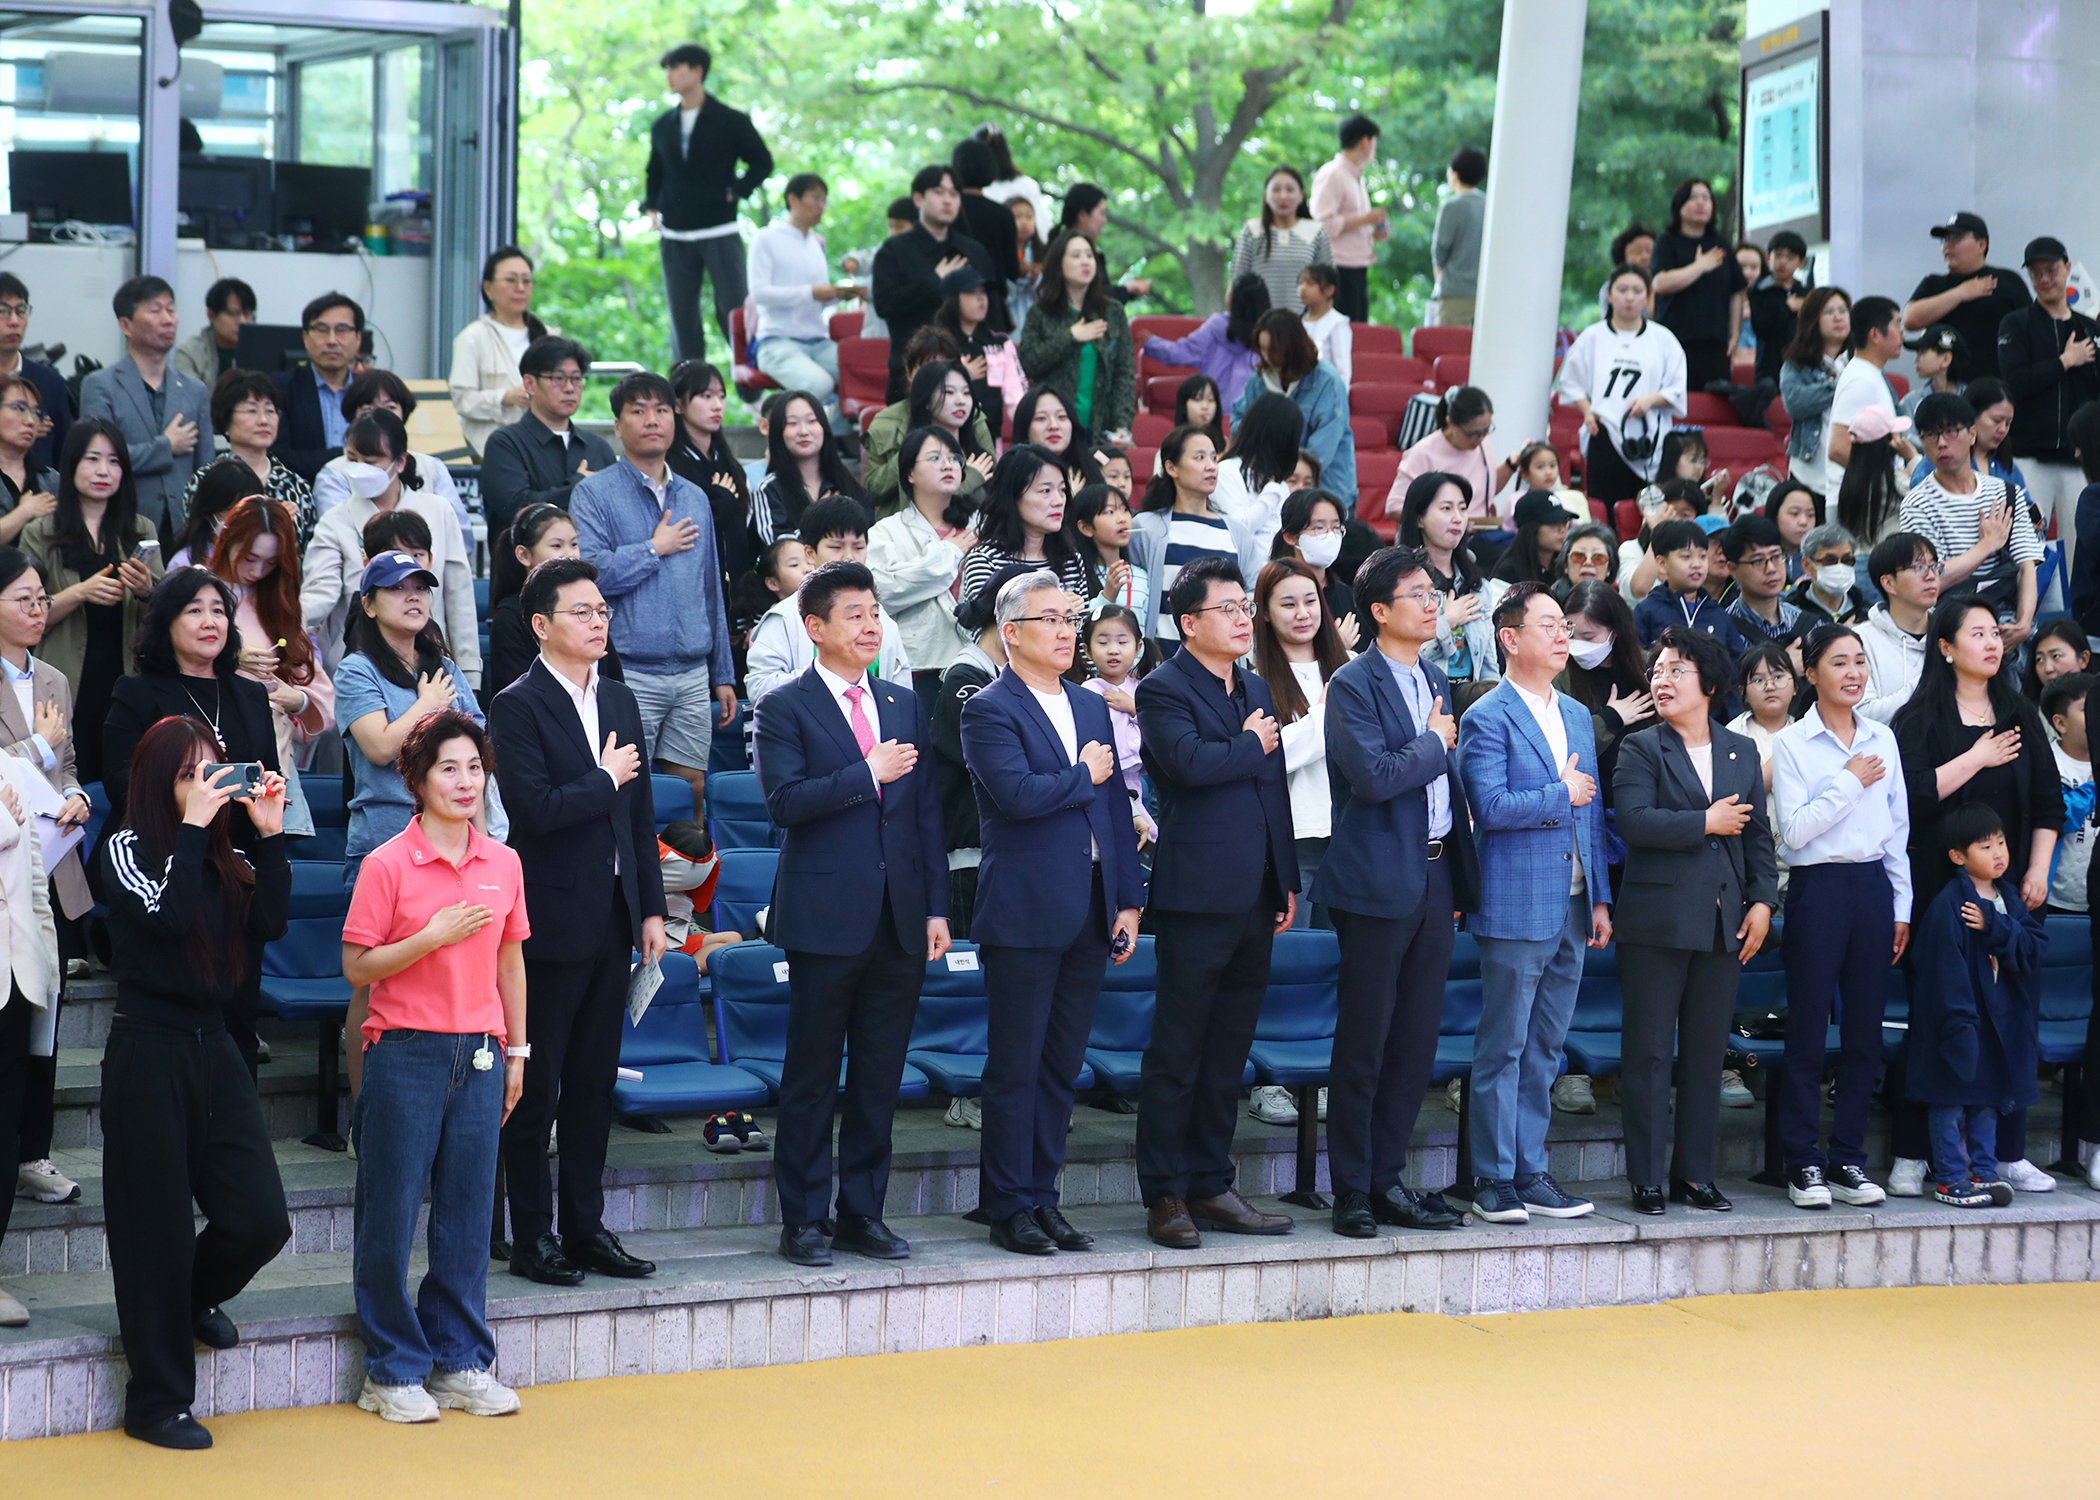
[(34, 604), (1555, 630), (22, 408), (583, 614), (1763, 680), (571, 382), (1231, 609), (1424, 598), (14, 312), (340, 330), (1321, 530), (1761, 560), (512, 280), (1675, 673), (1845, 561), (1055, 621), (1477, 433), (1927, 569)]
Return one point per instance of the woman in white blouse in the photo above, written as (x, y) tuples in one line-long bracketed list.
[(1296, 649), (916, 553), (487, 390)]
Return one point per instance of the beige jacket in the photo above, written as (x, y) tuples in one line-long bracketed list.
[(49, 686), (482, 370)]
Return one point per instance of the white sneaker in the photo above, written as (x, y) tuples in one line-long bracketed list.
[(45, 1183), (1323, 1104), (2026, 1177), (12, 1313), (1735, 1094), (1907, 1178), (1572, 1095), (1454, 1095), (475, 1392), (2092, 1171), (397, 1403), (964, 1114), (1271, 1103)]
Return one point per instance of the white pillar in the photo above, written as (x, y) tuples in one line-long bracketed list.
[(1538, 85)]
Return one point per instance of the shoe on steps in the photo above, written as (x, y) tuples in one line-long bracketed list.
[(44, 1183), (2092, 1171), (1352, 1216), (12, 1313), (1542, 1195), (1019, 1233), (964, 1114), (213, 1329), (1497, 1202), (602, 1252), (1907, 1178), (182, 1432), (1699, 1195), (1735, 1094), (804, 1245), (1167, 1222), (1848, 1184), (1235, 1215), (397, 1403), (1059, 1228), (1408, 1209), (869, 1237), (1964, 1194), (719, 1135), (1805, 1188), (1573, 1095), (1272, 1104), (475, 1392), (748, 1132), (2025, 1177), (544, 1261), (1647, 1200)]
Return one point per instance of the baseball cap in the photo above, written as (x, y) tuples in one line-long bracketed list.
[(1872, 423), (1710, 523), (390, 568), (1962, 223), (955, 283), (2044, 247), (1940, 338), (1541, 508)]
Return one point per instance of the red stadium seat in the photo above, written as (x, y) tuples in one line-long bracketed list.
[(864, 372), (1777, 419), (1147, 428), (1740, 449), (1626, 519), (1899, 384), (1430, 342), (1370, 432), (1599, 514), (1452, 370), (1742, 370), (1375, 338), (1166, 327), (1702, 410), (1389, 369), (743, 374), (1383, 401), (1376, 468), (1159, 393), (846, 325), (1141, 464)]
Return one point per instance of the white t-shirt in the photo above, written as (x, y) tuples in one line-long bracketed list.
[(1609, 369), (1335, 340), (1059, 710), (2075, 850), (515, 339), (1859, 385)]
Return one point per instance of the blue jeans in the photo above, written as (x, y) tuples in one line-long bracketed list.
[(1527, 997), (1964, 1142), (425, 1116)]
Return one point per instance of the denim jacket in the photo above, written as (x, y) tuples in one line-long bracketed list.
[(1806, 393)]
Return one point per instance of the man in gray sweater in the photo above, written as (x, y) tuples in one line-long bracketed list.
[(1455, 249)]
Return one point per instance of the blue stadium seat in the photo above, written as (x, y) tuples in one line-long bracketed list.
[(1294, 1035), (949, 1035), (1763, 987), (751, 1015), (670, 1049), (481, 598), (1115, 1047), (743, 886), (2067, 989), (730, 750), (1595, 1045), (672, 798), (1461, 1015), (302, 977), (736, 812), (324, 798)]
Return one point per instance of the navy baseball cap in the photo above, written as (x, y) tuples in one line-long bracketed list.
[(390, 568)]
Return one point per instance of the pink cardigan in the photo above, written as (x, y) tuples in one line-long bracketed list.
[(1435, 454), (319, 715)]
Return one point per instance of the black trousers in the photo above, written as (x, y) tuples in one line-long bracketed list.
[(39, 1095), (686, 263), (1840, 932), (1352, 294), (1706, 362), (577, 1009), (1390, 1002), (1679, 1002), (1042, 1007), (180, 1121), (859, 1006), (1213, 971), (14, 1083), (1605, 475)]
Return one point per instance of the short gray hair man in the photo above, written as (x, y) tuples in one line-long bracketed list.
[(1013, 598)]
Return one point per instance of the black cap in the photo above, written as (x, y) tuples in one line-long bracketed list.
[(1939, 337), (955, 283), (1541, 508), (2044, 247), (1962, 223)]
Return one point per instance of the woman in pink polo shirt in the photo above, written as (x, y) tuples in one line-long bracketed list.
[(436, 928)]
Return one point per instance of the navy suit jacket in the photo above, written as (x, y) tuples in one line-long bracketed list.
[(302, 442), (1040, 817), (1216, 787), (845, 847), (568, 823), (1379, 766)]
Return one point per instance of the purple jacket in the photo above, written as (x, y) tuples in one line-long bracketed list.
[(1208, 350)]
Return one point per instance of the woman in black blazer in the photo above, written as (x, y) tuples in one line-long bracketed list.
[(1701, 880)]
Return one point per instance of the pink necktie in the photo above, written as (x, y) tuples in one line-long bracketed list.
[(863, 731)]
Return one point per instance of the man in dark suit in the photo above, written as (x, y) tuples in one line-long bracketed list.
[(570, 745), (1401, 862), (1224, 883), (333, 329), (1058, 895), (539, 457), (860, 905)]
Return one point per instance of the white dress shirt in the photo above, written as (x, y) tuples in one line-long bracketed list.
[(23, 680), (1826, 817), (838, 687), (586, 700), (1547, 711), (786, 266)]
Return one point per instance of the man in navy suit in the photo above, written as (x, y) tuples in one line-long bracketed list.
[(1058, 894), (1529, 758), (333, 328), (860, 905), (570, 745), (1401, 862), (1224, 883)]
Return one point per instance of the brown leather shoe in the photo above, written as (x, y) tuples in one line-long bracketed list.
[(1168, 1222), (1234, 1214)]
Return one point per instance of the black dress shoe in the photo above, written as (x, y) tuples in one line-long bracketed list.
[(1021, 1234), (499, 1249), (870, 1237), (601, 1251), (181, 1431), (1060, 1229), (1352, 1216), (1413, 1210), (804, 1244), (1699, 1195), (1647, 1200), (543, 1261), (213, 1329)]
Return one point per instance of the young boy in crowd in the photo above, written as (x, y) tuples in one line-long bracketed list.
[(1682, 550), (2063, 705), (1973, 1011), (834, 529), (1327, 324)]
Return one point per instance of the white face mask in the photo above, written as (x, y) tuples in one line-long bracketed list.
[(1590, 655), (1321, 550), (368, 480), (1836, 578)]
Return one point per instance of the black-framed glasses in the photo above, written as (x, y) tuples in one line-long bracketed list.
[(1065, 621), (15, 312), (1771, 559), (568, 382), (340, 330)]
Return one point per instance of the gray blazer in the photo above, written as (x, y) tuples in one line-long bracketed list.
[(50, 686), (1677, 874), (119, 393)]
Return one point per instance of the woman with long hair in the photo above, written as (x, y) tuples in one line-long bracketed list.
[(1222, 345), (1044, 420), (803, 465), (701, 453), (1296, 649), (1176, 524), (246, 410), (26, 491), (217, 490), (1102, 517), (1870, 496), (1967, 735), (917, 553), (990, 358), (182, 1128), (1433, 517), (1458, 444), (941, 397), (2056, 649), (1077, 340), (254, 553), (1808, 381), (1199, 403), (1290, 366), (1281, 242), (99, 559), (487, 389), (1254, 475), (1533, 556), (1025, 519), (1699, 285)]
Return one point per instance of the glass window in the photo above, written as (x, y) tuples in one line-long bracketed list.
[(68, 86), (404, 144), (335, 113)]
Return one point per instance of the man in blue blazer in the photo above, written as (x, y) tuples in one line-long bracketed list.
[(860, 905), (1058, 895), (1224, 883), (1528, 756), (570, 744), (1400, 863)]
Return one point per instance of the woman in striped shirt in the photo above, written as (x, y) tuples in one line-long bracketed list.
[(1281, 243), (1178, 525)]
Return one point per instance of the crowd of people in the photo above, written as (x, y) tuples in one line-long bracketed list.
[(999, 691)]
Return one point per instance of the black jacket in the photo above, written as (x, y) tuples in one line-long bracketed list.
[(963, 680), (152, 906), (526, 463), (693, 183), (907, 293), (2044, 393), (720, 478), (302, 442), (513, 648), (140, 701), (568, 824), (1678, 876), (1772, 321), (991, 224), (58, 406)]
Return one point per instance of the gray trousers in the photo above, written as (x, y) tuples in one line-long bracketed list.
[(686, 262)]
